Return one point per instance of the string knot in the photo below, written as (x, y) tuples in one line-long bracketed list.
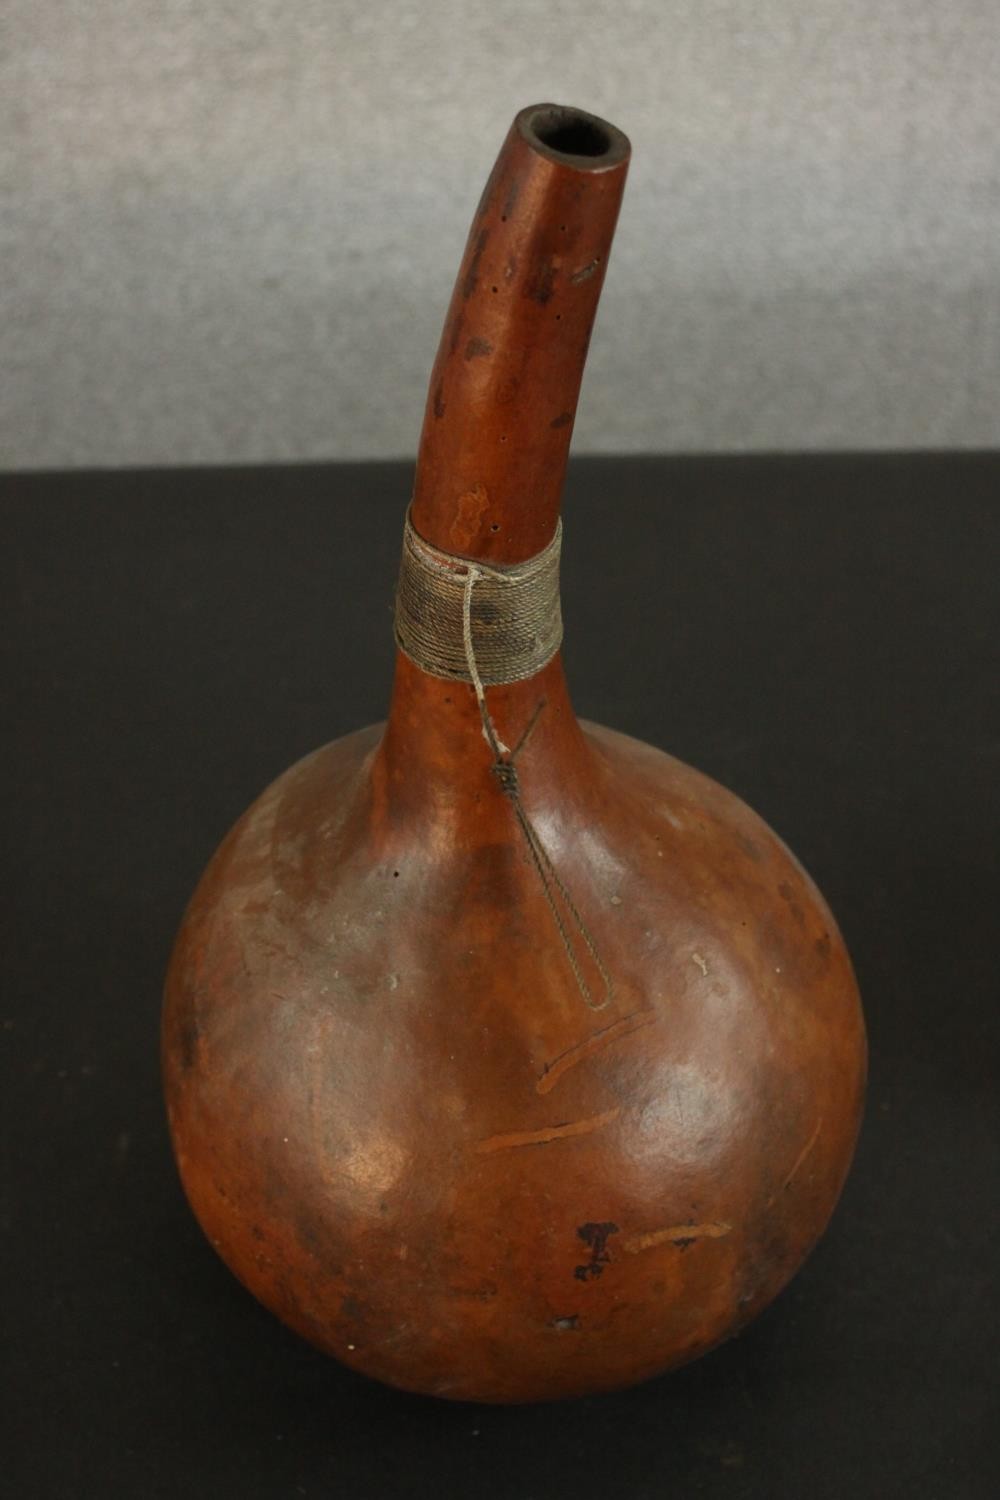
[(505, 772)]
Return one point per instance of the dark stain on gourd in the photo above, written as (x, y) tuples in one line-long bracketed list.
[(596, 1236), (472, 275)]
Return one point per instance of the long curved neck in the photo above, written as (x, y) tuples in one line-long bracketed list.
[(496, 435), (505, 384)]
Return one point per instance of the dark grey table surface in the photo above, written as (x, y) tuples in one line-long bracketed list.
[(819, 633)]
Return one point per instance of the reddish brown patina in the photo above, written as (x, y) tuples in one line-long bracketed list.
[(394, 1114)]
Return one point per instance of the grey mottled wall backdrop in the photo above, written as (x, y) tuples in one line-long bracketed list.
[(230, 226)]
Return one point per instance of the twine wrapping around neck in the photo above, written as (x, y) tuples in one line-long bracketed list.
[(515, 619), (509, 626)]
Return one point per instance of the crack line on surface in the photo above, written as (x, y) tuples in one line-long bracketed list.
[(554, 1070), (550, 1133), (799, 1162)]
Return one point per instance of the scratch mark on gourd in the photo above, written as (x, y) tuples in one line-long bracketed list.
[(676, 1234), (554, 1070), (585, 272), (799, 1162), (519, 1138)]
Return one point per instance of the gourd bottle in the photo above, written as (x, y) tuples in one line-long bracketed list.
[(508, 1058)]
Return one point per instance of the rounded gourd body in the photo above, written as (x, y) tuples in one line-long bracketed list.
[(481, 1121), (405, 1131)]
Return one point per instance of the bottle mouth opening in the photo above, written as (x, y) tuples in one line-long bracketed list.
[(573, 135)]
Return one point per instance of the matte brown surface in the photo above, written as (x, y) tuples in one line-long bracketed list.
[(394, 1115), (504, 387)]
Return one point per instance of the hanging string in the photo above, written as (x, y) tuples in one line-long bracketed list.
[(505, 770), (487, 625)]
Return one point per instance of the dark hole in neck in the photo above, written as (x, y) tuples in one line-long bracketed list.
[(573, 136)]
